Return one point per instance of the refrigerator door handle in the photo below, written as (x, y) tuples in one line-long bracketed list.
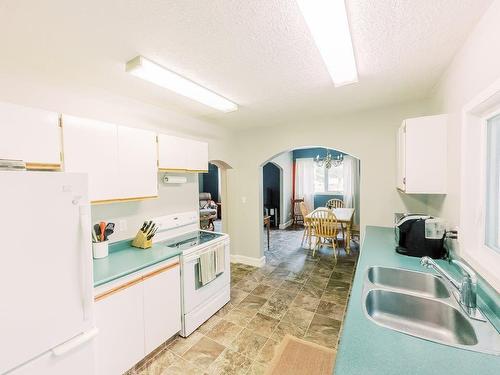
[(75, 342), (85, 261)]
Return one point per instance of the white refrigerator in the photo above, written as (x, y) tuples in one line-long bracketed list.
[(46, 283)]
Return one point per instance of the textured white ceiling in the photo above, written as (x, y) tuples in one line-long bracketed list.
[(258, 53)]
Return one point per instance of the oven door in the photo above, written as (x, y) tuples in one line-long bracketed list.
[(195, 294)]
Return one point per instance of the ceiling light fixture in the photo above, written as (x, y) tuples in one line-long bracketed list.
[(329, 26), (329, 161), (154, 73)]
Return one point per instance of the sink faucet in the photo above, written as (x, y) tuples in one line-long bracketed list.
[(467, 287)]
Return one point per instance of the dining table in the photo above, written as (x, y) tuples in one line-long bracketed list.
[(344, 216)]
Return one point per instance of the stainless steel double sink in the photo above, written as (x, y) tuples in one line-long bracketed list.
[(421, 305)]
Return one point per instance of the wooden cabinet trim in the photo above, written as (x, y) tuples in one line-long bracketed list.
[(43, 166), (133, 282), (182, 170), (116, 200)]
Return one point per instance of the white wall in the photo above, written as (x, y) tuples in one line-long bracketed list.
[(285, 162), (171, 199), (369, 136), (475, 67)]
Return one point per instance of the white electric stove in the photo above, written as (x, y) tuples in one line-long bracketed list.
[(199, 302)]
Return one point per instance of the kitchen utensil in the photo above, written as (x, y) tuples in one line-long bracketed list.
[(150, 230), (97, 231), (143, 228), (94, 236), (152, 234), (110, 228), (102, 226)]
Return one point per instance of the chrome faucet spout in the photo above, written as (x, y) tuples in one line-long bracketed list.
[(430, 263), (467, 287)]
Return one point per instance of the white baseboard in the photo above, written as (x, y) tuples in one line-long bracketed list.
[(256, 262), (286, 225)]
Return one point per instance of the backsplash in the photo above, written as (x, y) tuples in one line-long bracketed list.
[(172, 198)]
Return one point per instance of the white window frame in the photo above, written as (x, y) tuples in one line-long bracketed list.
[(325, 183), (472, 231)]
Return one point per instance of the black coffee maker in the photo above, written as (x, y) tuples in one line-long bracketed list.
[(411, 238)]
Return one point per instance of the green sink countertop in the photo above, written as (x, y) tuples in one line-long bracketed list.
[(124, 259), (366, 348)]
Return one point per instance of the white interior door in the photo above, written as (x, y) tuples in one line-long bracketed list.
[(46, 278)]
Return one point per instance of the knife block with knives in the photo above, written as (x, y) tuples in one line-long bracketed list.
[(144, 238)]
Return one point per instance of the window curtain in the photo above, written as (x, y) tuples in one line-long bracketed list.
[(304, 181), (351, 185)]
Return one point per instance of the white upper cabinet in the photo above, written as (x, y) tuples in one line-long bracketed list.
[(121, 162), (175, 153), (198, 156), (172, 152), (30, 134), (91, 147), (422, 154), (137, 163)]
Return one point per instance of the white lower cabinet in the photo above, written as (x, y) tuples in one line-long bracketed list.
[(120, 320), (135, 316), (162, 308)]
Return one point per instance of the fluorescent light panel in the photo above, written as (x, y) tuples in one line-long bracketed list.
[(327, 21), (154, 73)]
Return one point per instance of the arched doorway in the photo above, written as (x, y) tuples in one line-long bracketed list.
[(340, 180), (219, 169)]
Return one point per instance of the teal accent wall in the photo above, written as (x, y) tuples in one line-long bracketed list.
[(312, 152), (321, 199), (209, 182)]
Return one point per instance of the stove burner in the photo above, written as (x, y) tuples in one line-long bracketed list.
[(191, 239)]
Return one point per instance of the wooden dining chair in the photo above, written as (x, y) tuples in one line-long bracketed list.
[(325, 225), (308, 230), (296, 214), (337, 203)]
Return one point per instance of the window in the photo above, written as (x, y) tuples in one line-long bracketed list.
[(492, 224), (329, 180)]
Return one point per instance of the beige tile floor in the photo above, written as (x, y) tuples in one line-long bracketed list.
[(294, 293)]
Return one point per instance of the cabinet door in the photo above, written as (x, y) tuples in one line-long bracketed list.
[(425, 155), (29, 134), (120, 320), (401, 158), (162, 307), (172, 152), (198, 156), (137, 163), (91, 147)]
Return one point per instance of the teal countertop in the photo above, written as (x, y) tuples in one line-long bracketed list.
[(123, 259), (366, 348)]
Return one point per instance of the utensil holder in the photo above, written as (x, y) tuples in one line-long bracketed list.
[(140, 241), (100, 249)]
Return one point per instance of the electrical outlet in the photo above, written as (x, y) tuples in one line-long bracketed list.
[(122, 224)]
